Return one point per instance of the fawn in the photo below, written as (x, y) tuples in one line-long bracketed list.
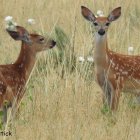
[(13, 77), (114, 72)]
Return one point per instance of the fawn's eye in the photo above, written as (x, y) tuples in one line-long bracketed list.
[(41, 40), (95, 24), (107, 24)]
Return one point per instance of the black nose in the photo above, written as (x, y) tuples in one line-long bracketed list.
[(53, 43), (101, 32)]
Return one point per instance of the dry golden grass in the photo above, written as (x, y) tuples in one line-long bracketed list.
[(70, 108)]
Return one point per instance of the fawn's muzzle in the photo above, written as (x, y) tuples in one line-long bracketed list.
[(53, 43), (101, 32)]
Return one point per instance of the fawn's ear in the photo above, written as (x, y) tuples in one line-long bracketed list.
[(87, 14), (115, 14), (20, 33)]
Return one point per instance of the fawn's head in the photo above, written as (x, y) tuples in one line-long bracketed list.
[(38, 42), (101, 24)]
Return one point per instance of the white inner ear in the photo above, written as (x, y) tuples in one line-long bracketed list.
[(92, 17), (111, 17), (26, 38)]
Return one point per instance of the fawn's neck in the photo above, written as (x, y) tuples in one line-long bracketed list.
[(26, 60), (100, 53)]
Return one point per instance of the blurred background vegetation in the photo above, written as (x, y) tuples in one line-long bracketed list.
[(62, 99)]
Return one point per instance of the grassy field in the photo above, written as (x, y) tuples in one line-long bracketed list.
[(69, 107)]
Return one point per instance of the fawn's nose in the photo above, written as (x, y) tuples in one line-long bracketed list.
[(101, 32), (53, 43)]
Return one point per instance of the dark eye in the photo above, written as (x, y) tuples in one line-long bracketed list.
[(95, 23), (41, 40), (107, 24)]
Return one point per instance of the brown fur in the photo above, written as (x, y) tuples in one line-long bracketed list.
[(13, 77)]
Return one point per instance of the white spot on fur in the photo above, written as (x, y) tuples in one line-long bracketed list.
[(116, 68), (125, 72), (120, 70)]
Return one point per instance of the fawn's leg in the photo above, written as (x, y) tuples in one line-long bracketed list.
[(115, 100), (117, 86), (108, 92), (107, 88), (6, 106), (111, 93)]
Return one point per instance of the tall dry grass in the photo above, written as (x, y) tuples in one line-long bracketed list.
[(70, 108)]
